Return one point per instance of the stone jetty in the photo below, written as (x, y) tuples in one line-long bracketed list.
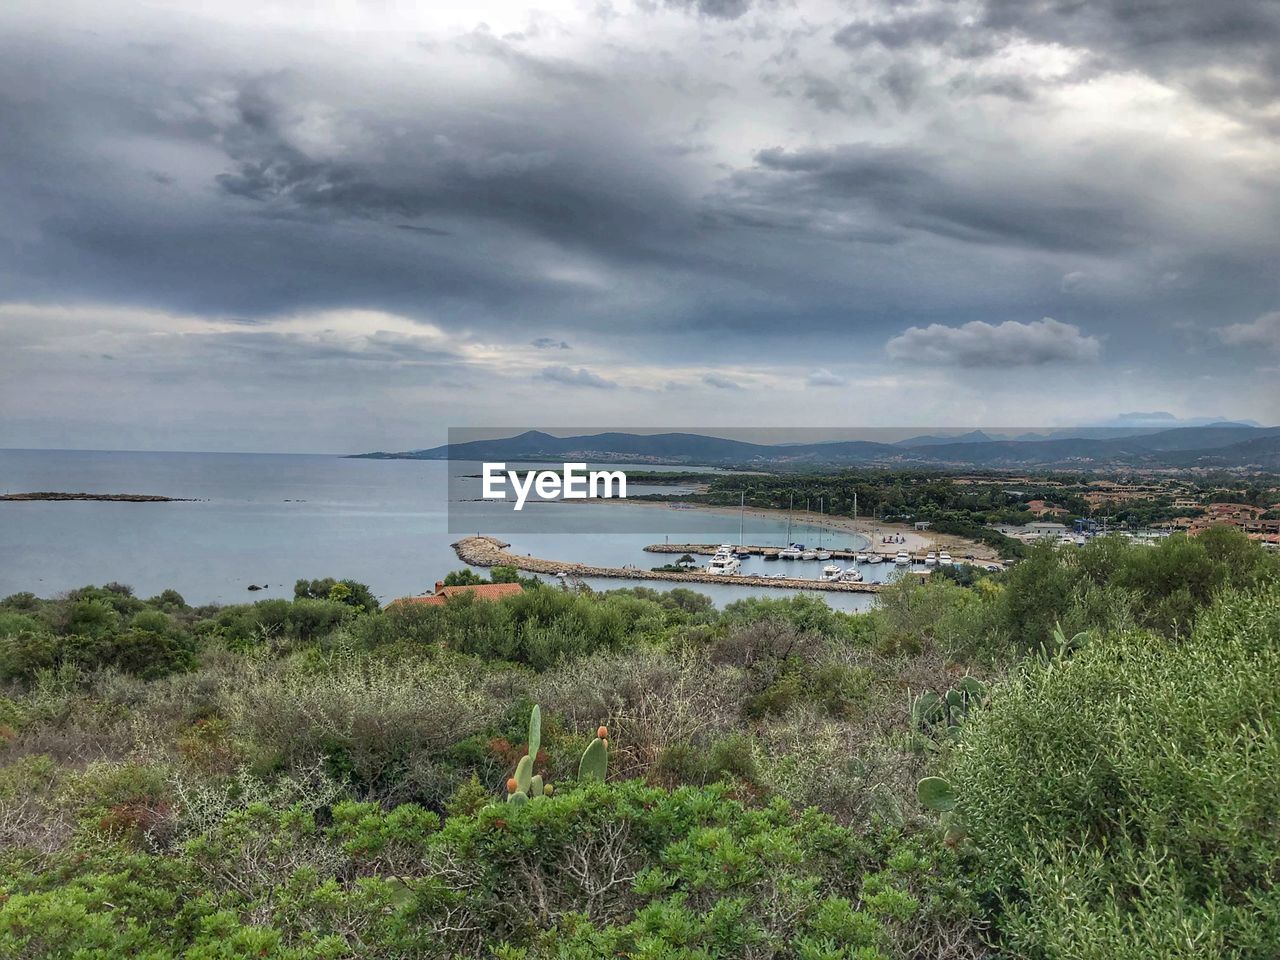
[(483, 551)]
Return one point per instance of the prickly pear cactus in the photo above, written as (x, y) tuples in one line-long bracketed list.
[(595, 759), (524, 784)]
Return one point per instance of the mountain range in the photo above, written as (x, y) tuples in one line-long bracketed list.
[(1214, 446)]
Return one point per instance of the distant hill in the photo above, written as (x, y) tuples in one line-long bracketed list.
[(1262, 453), (974, 436), (1226, 445)]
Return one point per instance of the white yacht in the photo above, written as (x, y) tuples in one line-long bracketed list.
[(809, 555), (903, 558), (789, 553), (874, 558), (724, 562), (944, 559), (823, 555), (851, 576), (862, 558), (930, 559), (831, 572)]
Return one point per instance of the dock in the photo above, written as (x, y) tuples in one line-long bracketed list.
[(709, 549), (485, 551)]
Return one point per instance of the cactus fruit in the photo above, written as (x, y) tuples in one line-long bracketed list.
[(602, 732), (595, 760), (548, 790), (512, 785)]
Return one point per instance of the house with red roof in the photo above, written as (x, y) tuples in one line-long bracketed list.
[(481, 591)]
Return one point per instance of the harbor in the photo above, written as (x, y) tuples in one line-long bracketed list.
[(486, 551)]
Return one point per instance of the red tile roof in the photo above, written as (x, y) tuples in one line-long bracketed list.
[(481, 591)]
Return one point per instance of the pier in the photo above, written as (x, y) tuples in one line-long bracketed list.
[(484, 551), (841, 553)]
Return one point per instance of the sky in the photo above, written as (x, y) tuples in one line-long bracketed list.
[(338, 226)]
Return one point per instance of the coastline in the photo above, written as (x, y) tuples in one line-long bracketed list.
[(42, 496)]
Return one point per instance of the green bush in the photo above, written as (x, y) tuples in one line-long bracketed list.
[(598, 871), (1124, 799)]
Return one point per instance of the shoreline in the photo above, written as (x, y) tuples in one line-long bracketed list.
[(914, 541), (48, 496)]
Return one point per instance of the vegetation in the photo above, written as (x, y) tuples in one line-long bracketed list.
[(1075, 758), (966, 505)]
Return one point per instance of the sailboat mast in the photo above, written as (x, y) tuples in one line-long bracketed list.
[(790, 506), (742, 501)]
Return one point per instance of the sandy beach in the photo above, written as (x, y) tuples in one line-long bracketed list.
[(913, 541)]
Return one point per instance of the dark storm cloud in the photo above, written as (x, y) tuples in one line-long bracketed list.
[(1184, 41), (763, 184), (716, 9), (913, 190), (517, 174)]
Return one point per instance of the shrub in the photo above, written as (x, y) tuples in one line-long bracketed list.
[(1124, 799), (378, 724)]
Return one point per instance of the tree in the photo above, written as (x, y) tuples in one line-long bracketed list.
[(465, 577)]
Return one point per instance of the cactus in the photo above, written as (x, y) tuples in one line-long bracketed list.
[(935, 793), (524, 773), (950, 709), (595, 759), (535, 730), (525, 784), (926, 709)]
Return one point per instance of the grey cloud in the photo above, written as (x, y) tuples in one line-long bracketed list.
[(1008, 344), (1182, 40), (823, 377), (502, 184), (720, 382), (417, 228), (715, 9), (550, 343), (913, 189), (577, 377), (923, 27), (1262, 332), (1074, 281)]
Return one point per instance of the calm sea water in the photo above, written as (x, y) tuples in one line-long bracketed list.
[(272, 518)]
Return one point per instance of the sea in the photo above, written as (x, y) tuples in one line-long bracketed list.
[(267, 520)]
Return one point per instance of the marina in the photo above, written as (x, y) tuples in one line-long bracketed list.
[(485, 551)]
